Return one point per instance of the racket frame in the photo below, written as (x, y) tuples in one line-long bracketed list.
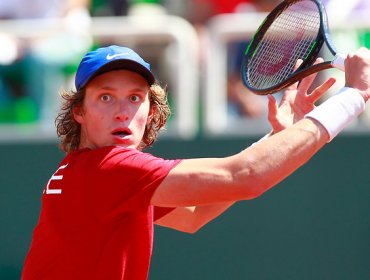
[(306, 68)]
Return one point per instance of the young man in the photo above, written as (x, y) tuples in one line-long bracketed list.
[(99, 206)]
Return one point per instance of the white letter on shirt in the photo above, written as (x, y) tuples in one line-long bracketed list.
[(55, 177)]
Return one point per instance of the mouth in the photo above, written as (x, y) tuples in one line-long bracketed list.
[(121, 132)]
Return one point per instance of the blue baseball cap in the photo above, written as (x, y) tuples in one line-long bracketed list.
[(108, 59)]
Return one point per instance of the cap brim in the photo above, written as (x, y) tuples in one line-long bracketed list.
[(125, 64)]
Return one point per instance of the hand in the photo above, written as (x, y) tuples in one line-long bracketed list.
[(296, 102), (358, 71)]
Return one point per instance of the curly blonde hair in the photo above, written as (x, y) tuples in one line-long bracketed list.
[(69, 130)]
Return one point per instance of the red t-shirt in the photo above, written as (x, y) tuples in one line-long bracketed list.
[(96, 220)]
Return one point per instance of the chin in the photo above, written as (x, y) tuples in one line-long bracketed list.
[(129, 146)]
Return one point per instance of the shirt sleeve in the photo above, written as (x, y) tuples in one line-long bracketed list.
[(125, 180), (160, 212)]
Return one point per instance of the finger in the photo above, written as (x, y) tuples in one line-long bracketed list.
[(272, 106), (318, 92), (296, 66), (307, 82)]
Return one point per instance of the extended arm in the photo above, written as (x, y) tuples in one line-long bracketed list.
[(245, 175), (191, 219), (214, 184), (251, 172)]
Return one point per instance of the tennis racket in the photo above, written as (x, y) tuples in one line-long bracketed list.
[(295, 29)]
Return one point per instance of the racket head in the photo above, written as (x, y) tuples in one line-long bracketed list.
[(295, 29)]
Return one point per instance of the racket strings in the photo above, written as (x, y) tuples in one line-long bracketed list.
[(290, 37), (305, 38)]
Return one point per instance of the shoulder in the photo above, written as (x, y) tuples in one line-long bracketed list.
[(112, 157), (103, 154)]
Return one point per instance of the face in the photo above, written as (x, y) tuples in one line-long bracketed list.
[(115, 111)]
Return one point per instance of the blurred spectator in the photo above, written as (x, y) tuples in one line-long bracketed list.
[(157, 51), (146, 8), (241, 102), (33, 69), (109, 7), (339, 10)]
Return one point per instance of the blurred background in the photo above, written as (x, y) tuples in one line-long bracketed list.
[(316, 225)]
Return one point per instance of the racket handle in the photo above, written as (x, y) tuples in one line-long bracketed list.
[(338, 61)]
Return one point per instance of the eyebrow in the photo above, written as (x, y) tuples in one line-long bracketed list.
[(135, 89), (105, 87)]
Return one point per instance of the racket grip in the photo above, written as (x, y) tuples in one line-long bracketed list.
[(338, 61)]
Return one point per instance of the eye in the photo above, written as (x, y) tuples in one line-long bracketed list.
[(105, 97), (135, 98)]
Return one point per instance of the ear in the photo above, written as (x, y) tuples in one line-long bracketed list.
[(150, 115), (78, 114)]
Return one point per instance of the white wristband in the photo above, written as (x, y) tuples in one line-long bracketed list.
[(338, 111)]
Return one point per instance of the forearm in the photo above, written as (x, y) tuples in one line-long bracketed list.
[(191, 219), (266, 163), (345, 106)]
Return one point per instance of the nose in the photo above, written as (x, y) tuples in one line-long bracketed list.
[(121, 112)]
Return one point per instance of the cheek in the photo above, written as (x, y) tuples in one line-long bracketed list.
[(143, 120), (144, 114), (94, 119)]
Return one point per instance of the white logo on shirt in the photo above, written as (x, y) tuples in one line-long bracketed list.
[(55, 177)]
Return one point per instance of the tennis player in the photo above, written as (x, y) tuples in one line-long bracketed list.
[(99, 207)]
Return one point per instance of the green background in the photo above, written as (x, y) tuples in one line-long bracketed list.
[(313, 225)]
